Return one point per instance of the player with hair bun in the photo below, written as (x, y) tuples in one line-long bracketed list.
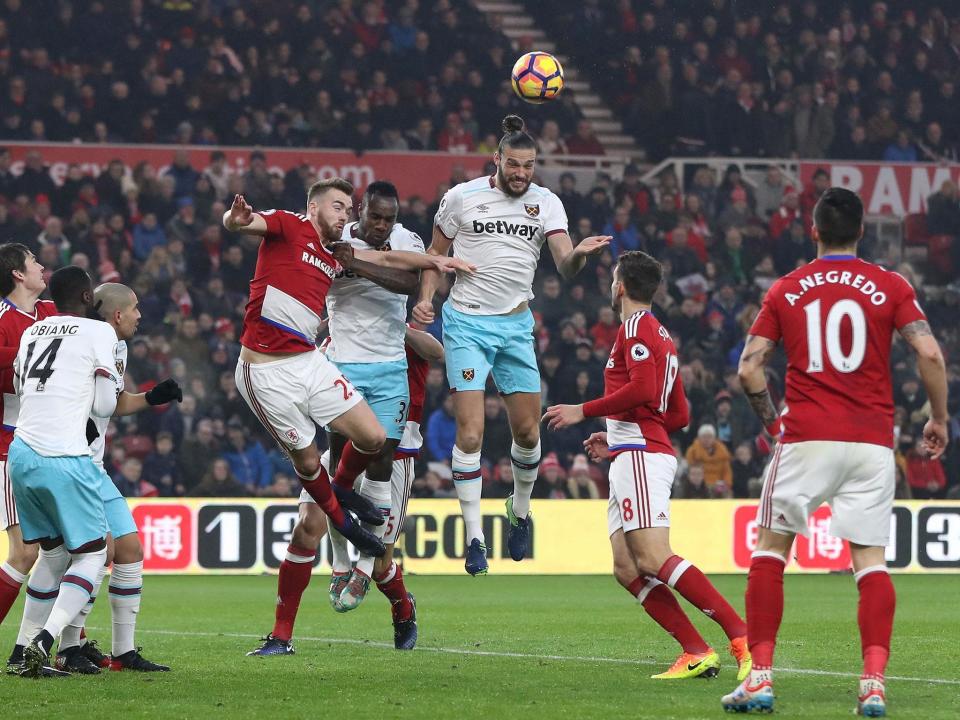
[(499, 224)]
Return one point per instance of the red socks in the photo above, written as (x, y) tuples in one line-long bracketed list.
[(391, 585), (764, 607), (878, 601), (10, 583), (318, 487), (663, 608), (693, 585), (352, 463), (294, 577)]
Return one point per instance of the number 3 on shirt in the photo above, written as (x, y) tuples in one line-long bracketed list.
[(843, 363)]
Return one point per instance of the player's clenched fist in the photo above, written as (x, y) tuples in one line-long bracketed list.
[(423, 312), (343, 254), (164, 392)]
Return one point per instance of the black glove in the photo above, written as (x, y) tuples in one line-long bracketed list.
[(92, 432), (164, 392)]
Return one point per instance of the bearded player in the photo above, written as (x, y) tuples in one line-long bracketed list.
[(288, 383), (836, 317), (499, 224), (643, 402)]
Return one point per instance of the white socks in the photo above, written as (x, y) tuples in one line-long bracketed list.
[(525, 463), (466, 479), (43, 590), (71, 633), (75, 589), (126, 586), (379, 494)]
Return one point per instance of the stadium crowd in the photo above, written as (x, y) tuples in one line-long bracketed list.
[(746, 78), (864, 79)]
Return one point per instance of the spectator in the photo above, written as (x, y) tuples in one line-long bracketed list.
[(625, 234), (786, 213), (551, 484), (497, 437), (441, 431), (248, 461), (925, 476), (943, 211), (147, 235), (604, 332), (692, 486), (706, 450), (219, 481), (128, 479), (160, 467), (580, 484), (584, 142), (747, 472), (196, 453), (901, 150), (771, 192)]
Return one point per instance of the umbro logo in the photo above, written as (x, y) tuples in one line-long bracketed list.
[(482, 208)]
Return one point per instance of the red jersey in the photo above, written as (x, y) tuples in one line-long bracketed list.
[(289, 287), (643, 398), (836, 316), (13, 323), (417, 369)]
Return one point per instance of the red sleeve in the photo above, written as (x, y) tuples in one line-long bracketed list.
[(641, 389), (908, 310), (274, 220), (767, 323), (678, 409)]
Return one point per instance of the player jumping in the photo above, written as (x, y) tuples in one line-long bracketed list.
[(286, 381), (643, 402), (836, 316), (499, 224), (66, 370)]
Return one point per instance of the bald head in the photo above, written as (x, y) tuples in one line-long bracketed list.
[(117, 304), (112, 297)]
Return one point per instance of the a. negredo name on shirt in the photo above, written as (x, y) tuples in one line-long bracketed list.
[(838, 277)]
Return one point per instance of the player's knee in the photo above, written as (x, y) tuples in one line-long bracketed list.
[(527, 435), (128, 549), (307, 466), (469, 440), (310, 529), (624, 573), (23, 556)]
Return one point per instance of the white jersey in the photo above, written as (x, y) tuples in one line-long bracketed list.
[(367, 322), (98, 446), (501, 235), (55, 374)]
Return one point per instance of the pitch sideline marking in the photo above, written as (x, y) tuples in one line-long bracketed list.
[(529, 656)]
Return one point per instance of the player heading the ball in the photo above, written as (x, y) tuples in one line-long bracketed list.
[(499, 224)]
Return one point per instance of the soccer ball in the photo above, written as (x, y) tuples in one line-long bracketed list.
[(537, 77)]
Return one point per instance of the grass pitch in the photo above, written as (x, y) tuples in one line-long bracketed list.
[(529, 647)]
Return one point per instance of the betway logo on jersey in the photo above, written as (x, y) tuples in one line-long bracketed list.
[(319, 264), (501, 227)]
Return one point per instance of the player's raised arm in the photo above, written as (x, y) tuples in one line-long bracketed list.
[(933, 373), (569, 259), (406, 260), (424, 344), (241, 218), (756, 354), (440, 246)]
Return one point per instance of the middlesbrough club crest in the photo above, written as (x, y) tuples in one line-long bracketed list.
[(532, 210), (468, 374)]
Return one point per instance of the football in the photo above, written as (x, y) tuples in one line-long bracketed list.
[(537, 77)]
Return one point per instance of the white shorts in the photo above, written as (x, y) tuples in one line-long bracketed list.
[(293, 395), (8, 508), (856, 479), (640, 485), (401, 481)]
